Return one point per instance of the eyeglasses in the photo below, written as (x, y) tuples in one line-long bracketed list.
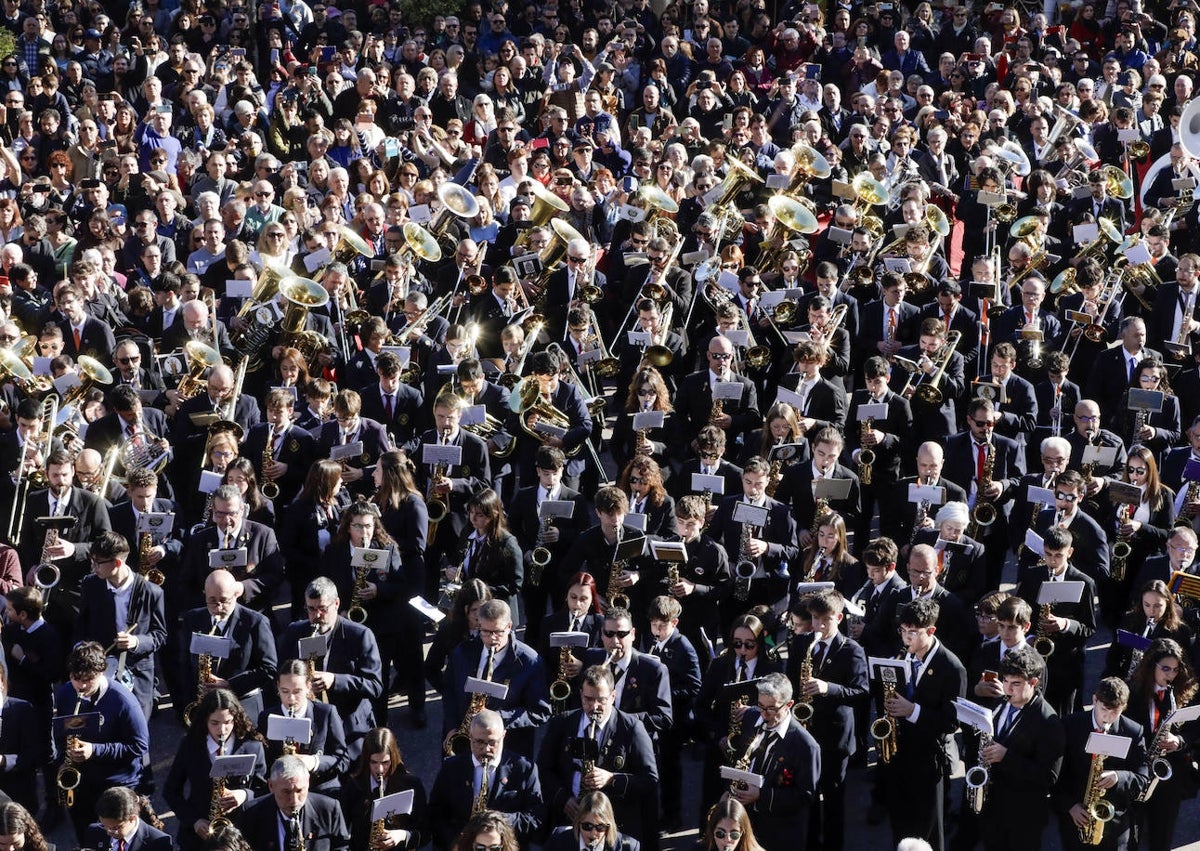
[(1066, 497), (1083, 418), (263, 194), (722, 833), (618, 633), (738, 644), (647, 392), (478, 847), (591, 826), (770, 710)]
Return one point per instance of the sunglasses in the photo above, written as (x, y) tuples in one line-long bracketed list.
[(1066, 497), (591, 826), (722, 833), (738, 644), (618, 633)]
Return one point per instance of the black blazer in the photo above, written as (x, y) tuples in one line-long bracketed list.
[(91, 519), (328, 739), (1161, 322), (145, 838), (21, 735), (497, 562), (645, 691), (1090, 543), (680, 483), (878, 634), (1022, 781), (1109, 377), (923, 747), (261, 575), (625, 750), (796, 490), (109, 430), (407, 404), (513, 789), (1133, 772), (844, 668), (695, 402), (252, 661), (385, 613), (564, 839), (375, 442), (188, 788), (523, 710), (524, 523), (357, 802), (96, 340), (321, 822), (904, 513), (298, 451), (121, 518), (871, 328), (895, 449), (712, 705)]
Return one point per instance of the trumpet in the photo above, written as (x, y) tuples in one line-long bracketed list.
[(928, 392)]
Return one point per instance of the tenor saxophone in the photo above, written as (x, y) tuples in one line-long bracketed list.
[(803, 707), (145, 545), (978, 777), (69, 776), (216, 813), (1096, 809), (866, 456)]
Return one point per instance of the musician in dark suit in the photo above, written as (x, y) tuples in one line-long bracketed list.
[(623, 760), (1030, 315), (82, 333), (129, 417), (70, 554), (121, 825), (873, 631), (1016, 404), (292, 449), (885, 324), (251, 663), (564, 288), (934, 416), (290, 814), (1056, 398), (1089, 539), (709, 460), (351, 673), (325, 754), (188, 438), (557, 536), (967, 465), (961, 560), (351, 427), (1122, 779), (261, 575), (1168, 322), (954, 316), (122, 610), (142, 497), (1069, 625), (837, 681), (799, 485), (923, 712), (789, 760), (488, 551), (1023, 759), (189, 786), (736, 417), (888, 438), (907, 517), (1112, 368), (1170, 472), (649, 321), (527, 703), (822, 401), (476, 390), (459, 482), (506, 782), (113, 753), (642, 685), (769, 547)]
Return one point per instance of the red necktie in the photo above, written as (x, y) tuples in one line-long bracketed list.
[(891, 326), (77, 340), (946, 317), (980, 457)]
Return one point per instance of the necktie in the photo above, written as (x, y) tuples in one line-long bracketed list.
[(891, 324), (221, 748), (818, 655), (616, 672), (574, 624), (216, 627), (946, 319), (121, 845), (1132, 367), (741, 672), (228, 541), (387, 406), (77, 338), (980, 459), (764, 751), (1009, 720), (914, 669), (489, 668)]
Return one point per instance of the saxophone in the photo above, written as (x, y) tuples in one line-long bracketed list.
[(615, 598), (312, 667), (289, 744), (356, 612), (985, 512), (745, 568), (436, 506), (378, 834), (718, 411), (1095, 807), (216, 813), (735, 725), (883, 729), (204, 676), (560, 689), (922, 513), (978, 777), (145, 545), (1042, 641), (270, 489), (539, 559), (69, 776), (459, 741), (803, 707), (743, 761), (1121, 547), (774, 477), (819, 514), (480, 803), (866, 457), (811, 575), (1160, 768)]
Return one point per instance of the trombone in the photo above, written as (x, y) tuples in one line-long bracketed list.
[(594, 403), (34, 478), (927, 391)]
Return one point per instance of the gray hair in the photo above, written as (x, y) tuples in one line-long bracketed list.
[(228, 493), (953, 511), (288, 768), (777, 686), (488, 719), (1060, 443), (321, 588)]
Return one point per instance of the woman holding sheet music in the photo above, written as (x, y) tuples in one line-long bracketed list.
[(1158, 430), (642, 480), (1163, 682), (1154, 616), (828, 559), (381, 765), (325, 753), (648, 392), (488, 551), (219, 727)]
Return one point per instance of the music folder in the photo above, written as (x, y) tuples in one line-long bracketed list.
[(313, 646), (427, 609), (1135, 640), (232, 765), (227, 559), (1108, 745), (346, 451), (280, 728), (398, 804), (1059, 592), (672, 551), (556, 508), (755, 781), (217, 646), (474, 685), (974, 715), (631, 548), (569, 639), (702, 483), (833, 490)]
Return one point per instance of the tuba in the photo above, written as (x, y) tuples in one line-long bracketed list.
[(546, 205), (302, 295), (200, 358)]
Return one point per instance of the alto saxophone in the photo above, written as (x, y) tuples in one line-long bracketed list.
[(145, 545), (985, 513), (356, 612), (1096, 809), (616, 599), (803, 707), (1042, 641), (290, 745), (718, 411), (216, 813), (437, 507), (735, 725), (560, 689), (774, 477), (1122, 549), (270, 489), (745, 568), (204, 676), (69, 776), (480, 804), (866, 456), (811, 575), (883, 729), (820, 512), (378, 834), (743, 761), (539, 559), (1160, 768), (978, 777), (312, 668)]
